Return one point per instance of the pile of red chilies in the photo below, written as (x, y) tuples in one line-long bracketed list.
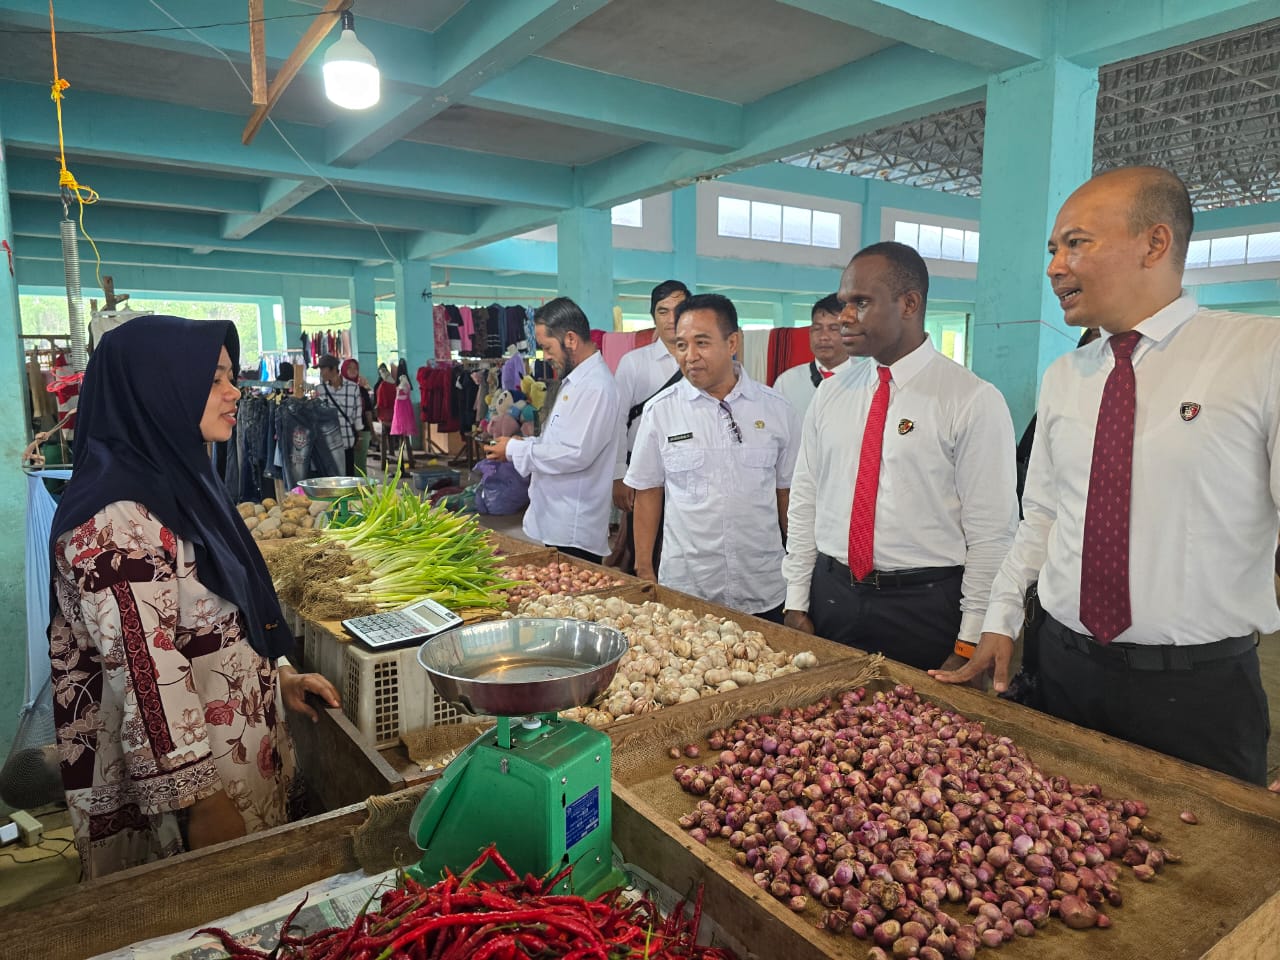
[(462, 918)]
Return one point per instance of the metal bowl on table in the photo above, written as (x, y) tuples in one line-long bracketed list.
[(333, 488), (525, 665)]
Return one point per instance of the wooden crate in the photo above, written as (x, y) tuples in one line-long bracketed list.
[(1221, 903)]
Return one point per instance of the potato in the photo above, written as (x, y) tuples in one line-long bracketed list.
[(269, 524), (259, 510), (288, 529), (251, 522), (276, 511), (257, 534), (317, 507), (268, 502), (245, 509), (307, 523)]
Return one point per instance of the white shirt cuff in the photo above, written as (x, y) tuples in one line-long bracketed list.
[(970, 627), (797, 598), (520, 454), (1002, 617)]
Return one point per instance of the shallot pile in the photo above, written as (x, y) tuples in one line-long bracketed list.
[(556, 577), (675, 655), (884, 808)]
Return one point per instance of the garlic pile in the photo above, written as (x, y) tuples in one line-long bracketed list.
[(675, 655)]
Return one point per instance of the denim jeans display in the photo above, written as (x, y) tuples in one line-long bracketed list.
[(311, 443), (289, 439)]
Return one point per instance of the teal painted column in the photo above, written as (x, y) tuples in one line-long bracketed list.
[(415, 337), (684, 235), (790, 310), (291, 294), (364, 324), (872, 212), (268, 332), (13, 486), (1039, 148), (584, 262)]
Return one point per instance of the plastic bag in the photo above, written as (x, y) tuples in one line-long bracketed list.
[(502, 490)]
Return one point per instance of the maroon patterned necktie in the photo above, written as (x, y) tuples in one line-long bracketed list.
[(1104, 561), (862, 519)]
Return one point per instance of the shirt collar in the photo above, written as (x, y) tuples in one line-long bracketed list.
[(1166, 320), (585, 364), (745, 387), (822, 367), (915, 361), (659, 349)]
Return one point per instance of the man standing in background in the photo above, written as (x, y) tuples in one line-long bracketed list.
[(344, 394), (798, 384), (571, 463), (641, 375)]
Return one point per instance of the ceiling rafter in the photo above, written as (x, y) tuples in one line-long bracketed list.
[(1209, 110)]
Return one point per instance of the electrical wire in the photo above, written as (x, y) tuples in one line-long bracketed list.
[(305, 162), (32, 31), (49, 854)]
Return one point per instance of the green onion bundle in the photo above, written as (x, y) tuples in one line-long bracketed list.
[(413, 550)]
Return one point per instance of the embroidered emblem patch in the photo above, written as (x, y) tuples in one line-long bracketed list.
[(1190, 410), (680, 436), (905, 426), (759, 424)]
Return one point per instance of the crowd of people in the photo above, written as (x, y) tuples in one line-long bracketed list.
[(869, 497)]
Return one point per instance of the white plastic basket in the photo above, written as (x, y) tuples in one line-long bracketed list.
[(388, 693), (322, 653)]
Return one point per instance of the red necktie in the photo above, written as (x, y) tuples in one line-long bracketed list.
[(862, 519), (827, 374), (1104, 560)]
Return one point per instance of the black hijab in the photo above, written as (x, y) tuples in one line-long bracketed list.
[(138, 438)]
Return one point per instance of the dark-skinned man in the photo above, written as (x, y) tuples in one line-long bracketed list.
[(902, 502), (717, 449), (1151, 497), (799, 384), (571, 463)]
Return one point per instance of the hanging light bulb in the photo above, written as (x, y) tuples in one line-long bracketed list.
[(351, 77)]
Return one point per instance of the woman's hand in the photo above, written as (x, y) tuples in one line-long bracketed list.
[(295, 686)]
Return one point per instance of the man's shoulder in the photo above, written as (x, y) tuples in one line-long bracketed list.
[(791, 373)]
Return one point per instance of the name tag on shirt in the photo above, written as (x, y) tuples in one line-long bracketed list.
[(680, 436)]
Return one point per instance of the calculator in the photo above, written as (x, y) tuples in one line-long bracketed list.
[(399, 628)]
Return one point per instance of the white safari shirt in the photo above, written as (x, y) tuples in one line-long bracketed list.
[(796, 383), (571, 463), (641, 374), (721, 539)]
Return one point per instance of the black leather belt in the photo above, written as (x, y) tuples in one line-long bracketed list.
[(891, 579), (1164, 656)]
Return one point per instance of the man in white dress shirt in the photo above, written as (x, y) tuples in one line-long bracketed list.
[(571, 462), (641, 375), (717, 449), (1152, 524), (799, 384), (907, 463)]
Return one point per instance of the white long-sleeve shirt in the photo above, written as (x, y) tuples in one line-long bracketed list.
[(947, 478), (571, 462), (796, 384), (641, 373), (721, 539), (1206, 481)]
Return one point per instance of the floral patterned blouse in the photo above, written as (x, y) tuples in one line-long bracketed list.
[(159, 700)]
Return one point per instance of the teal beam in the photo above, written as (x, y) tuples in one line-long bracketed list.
[(584, 260), (291, 298), (588, 99), (1254, 218), (862, 96), (184, 137), (146, 255), (492, 224), (1245, 293), (364, 325), (391, 213), (130, 279), (278, 197), (478, 42), (684, 236), (1039, 136), (1098, 32), (993, 35), (13, 488), (39, 218), (415, 330), (38, 177), (268, 329)]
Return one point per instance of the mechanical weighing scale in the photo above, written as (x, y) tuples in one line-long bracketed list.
[(340, 491), (537, 786)]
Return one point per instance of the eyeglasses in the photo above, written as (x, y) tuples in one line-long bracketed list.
[(733, 424)]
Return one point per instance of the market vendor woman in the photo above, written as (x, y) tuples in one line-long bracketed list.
[(166, 632)]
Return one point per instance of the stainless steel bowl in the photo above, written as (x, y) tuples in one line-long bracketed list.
[(331, 488), (510, 668)]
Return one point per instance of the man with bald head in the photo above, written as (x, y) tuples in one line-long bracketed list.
[(1152, 494)]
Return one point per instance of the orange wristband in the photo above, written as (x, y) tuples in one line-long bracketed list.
[(965, 649)]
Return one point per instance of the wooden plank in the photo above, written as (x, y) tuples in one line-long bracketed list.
[(339, 767), (258, 53), (171, 895), (318, 30)]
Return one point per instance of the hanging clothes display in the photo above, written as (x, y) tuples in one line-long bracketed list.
[(615, 345), (788, 347), (755, 354)]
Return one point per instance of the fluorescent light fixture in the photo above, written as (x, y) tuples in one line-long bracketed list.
[(351, 77)]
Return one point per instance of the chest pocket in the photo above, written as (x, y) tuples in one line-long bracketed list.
[(686, 469), (758, 458)]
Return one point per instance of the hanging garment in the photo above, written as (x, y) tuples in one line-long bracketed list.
[(755, 354)]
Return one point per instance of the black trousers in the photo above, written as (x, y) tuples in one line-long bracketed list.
[(915, 624), (575, 552), (1212, 713)]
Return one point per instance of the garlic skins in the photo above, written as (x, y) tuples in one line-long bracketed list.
[(675, 656)]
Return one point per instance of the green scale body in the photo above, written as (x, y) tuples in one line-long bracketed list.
[(540, 790)]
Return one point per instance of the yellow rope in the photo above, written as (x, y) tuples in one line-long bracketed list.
[(83, 193)]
